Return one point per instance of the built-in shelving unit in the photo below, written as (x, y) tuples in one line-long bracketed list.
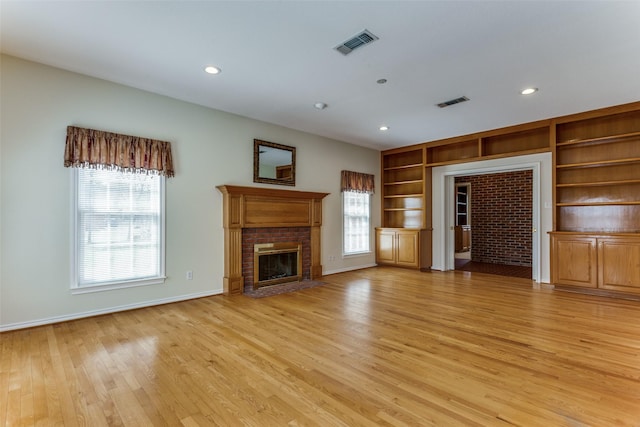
[(404, 193), (404, 240), (596, 239), (463, 217), (596, 176), (517, 140), (445, 152), (462, 204)]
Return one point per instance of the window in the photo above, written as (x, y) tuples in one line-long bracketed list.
[(119, 229), (356, 230)]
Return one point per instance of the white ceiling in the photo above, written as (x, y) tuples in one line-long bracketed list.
[(277, 58)]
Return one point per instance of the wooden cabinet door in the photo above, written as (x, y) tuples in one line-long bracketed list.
[(466, 238), (574, 261), (459, 245), (619, 263), (385, 246), (408, 250)]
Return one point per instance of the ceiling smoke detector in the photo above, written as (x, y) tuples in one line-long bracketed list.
[(452, 102), (355, 42)]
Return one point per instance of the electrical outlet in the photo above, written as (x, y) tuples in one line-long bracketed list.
[(189, 275)]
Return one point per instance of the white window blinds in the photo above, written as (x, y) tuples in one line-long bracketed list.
[(356, 227), (119, 227)]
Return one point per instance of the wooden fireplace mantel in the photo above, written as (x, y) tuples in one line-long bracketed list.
[(255, 207)]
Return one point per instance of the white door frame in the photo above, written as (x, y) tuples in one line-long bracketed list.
[(443, 207)]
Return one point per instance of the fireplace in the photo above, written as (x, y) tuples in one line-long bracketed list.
[(281, 238), (276, 263), (254, 215)]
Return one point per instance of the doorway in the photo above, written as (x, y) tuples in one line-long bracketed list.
[(462, 231), (500, 226), (443, 184)]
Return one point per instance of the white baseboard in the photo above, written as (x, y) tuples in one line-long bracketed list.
[(64, 318), (343, 270)]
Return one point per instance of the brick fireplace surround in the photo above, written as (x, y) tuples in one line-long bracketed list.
[(253, 213), (252, 236)]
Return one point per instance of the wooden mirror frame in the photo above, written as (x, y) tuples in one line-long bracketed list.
[(288, 170)]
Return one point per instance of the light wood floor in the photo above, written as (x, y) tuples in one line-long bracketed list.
[(381, 346)]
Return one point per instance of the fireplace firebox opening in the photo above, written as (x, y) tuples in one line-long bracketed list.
[(275, 263)]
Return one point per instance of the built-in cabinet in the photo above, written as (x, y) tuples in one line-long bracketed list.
[(604, 262), (405, 237), (596, 238), (462, 238), (575, 260), (403, 248)]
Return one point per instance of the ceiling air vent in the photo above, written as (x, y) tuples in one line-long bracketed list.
[(453, 101), (355, 42)]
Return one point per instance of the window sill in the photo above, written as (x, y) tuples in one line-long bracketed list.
[(76, 290), (356, 254)]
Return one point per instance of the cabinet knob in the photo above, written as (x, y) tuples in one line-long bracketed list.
[(534, 230)]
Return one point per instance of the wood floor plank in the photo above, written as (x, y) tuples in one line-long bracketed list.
[(380, 346)]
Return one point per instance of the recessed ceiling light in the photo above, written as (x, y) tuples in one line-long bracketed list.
[(320, 105), (212, 70), (529, 91), (383, 128)]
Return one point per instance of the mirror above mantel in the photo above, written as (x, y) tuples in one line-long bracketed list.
[(274, 163)]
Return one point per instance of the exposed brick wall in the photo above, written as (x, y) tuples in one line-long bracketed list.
[(251, 236), (501, 217)]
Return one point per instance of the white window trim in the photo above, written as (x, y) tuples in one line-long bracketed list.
[(361, 253), (75, 288)]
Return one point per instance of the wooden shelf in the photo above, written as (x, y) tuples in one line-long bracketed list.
[(414, 165), (599, 140), (395, 196), (599, 203), (403, 177), (598, 163), (627, 173), (489, 157), (597, 173), (445, 153), (583, 233), (413, 181), (402, 159), (516, 142), (599, 183)]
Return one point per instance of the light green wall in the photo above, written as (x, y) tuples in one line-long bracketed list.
[(210, 148)]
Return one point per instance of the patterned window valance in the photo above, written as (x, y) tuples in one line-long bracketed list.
[(89, 148), (358, 182)]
